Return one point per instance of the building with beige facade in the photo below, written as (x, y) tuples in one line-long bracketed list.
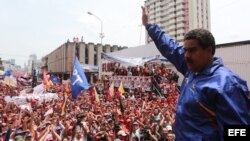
[(177, 17), (60, 61)]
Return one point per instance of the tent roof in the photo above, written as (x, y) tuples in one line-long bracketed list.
[(138, 51)]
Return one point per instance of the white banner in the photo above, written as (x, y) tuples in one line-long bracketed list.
[(25, 98)]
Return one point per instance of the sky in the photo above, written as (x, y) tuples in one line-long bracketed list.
[(40, 26)]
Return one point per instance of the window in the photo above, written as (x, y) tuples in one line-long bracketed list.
[(86, 55), (95, 59), (104, 49)]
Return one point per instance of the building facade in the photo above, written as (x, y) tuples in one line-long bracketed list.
[(5, 64), (177, 17), (1, 65), (60, 61), (33, 64)]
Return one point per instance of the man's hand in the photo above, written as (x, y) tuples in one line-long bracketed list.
[(144, 16)]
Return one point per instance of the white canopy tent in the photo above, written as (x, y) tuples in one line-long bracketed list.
[(134, 56)]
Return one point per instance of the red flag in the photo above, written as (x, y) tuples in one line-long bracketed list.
[(65, 98), (92, 94), (97, 99), (109, 98), (110, 92), (111, 89), (45, 78)]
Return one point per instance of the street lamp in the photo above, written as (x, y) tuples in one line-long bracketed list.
[(101, 36)]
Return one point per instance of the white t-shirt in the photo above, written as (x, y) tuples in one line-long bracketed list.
[(136, 134), (81, 139)]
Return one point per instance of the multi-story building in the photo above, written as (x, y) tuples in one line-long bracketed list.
[(60, 61), (33, 63), (9, 64), (177, 17), (31, 60), (1, 65)]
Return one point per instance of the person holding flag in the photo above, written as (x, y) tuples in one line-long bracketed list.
[(110, 91), (79, 81), (121, 89), (46, 80)]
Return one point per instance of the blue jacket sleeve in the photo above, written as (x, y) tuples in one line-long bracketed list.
[(233, 104), (168, 47)]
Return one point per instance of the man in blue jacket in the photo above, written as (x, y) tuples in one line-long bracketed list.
[(211, 95)]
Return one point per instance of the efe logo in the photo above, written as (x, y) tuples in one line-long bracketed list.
[(236, 132)]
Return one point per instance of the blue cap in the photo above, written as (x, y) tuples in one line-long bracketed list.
[(19, 131), (28, 135), (135, 123), (58, 128), (109, 119)]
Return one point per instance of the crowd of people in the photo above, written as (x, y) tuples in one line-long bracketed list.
[(164, 78), (148, 69), (131, 116), (138, 114)]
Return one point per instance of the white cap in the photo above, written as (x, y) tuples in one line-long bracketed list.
[(121, 132), (169, 127)]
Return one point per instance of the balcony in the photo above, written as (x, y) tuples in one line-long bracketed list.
[(179, 1), (180, 19), (180, 25), (180, 31)]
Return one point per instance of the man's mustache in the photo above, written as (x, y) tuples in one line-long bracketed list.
[(188, 60)]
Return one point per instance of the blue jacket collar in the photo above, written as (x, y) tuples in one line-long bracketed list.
[(210, 69), (216, 64)]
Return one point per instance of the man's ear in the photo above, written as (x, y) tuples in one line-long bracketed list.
[(209, 50)]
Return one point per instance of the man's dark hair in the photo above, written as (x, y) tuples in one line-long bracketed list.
[(203, 36), (79, 117)]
